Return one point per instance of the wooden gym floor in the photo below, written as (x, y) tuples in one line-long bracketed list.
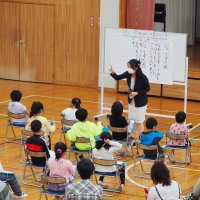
[(55, 98)]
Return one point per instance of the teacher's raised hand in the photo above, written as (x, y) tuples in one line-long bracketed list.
[(111, 70)]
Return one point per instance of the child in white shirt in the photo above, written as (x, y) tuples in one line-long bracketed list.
[(69, 113), (16, 107), (104, 150)]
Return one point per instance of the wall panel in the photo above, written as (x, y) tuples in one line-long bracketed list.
[(9, 40)]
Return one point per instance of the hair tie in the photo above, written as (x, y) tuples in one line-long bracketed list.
[(59, 150)]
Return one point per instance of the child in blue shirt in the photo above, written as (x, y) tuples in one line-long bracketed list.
[(151, 137)]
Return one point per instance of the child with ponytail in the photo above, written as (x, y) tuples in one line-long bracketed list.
[(69, 113), (37, 111), (104, 149), (59, 167)]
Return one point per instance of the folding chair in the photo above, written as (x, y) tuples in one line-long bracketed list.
[(11, 124), (25, 134), (77, 151), (142, 157), (46, 181), (66, 125), (115, 175), (29, 163), (122, 131), (187, 148)]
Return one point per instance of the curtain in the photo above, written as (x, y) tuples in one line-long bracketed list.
[(140, 14), (180, 17)]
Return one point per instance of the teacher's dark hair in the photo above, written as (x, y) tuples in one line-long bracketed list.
[(160, 174), (136, 63)]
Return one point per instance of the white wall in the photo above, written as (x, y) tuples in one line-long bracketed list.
[(109, 17), (198, 20)]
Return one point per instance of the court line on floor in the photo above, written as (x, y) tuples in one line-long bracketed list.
[(98, 102), (170, 166), (22, 98), (95, 102)]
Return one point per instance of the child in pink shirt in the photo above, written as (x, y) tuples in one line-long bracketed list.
[(59, 167), (178, 128)]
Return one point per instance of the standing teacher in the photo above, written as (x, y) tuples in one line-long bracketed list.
[(138, 85)]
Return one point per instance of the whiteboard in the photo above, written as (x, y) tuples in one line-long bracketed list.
[(162, 55)]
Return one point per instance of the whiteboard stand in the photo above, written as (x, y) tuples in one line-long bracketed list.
[(185, 84)]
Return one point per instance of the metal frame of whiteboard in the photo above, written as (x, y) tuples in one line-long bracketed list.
[(185, 84)]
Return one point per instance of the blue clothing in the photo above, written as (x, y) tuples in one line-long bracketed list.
[(148, 138), (152, 138)]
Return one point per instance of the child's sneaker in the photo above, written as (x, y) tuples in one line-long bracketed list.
[(102, 184), (120, 187), (20, 197)]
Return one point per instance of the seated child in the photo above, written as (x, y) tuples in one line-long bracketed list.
[(60, 167), (37, 111), (10, 178), (178, 128), (84, 128), (36, 143), (16, 107), (117, 120), (84, 189), (69, 113), (151, 137), (104, 150)]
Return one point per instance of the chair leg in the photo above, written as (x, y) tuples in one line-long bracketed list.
[(65, 139), (46, 197), (40, 197), (33, 174), (60, 136), (6, 136), (13, 132), (141, 165)]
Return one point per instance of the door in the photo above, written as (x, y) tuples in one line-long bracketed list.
[(9, 40), (37, 43), (78, 49)]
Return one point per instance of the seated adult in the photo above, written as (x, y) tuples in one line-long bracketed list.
[(36, 143), (10, 179), (164, 188), (84, 189), (4, 191), (84, 128)]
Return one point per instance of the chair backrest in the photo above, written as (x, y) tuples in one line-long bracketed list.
[(118, 130), (143, 147), (36, 154), (48, 180), (83, 140), (65, 122), (177, 136), (103, 162), (26, 133), (101, 117), (16, 116)]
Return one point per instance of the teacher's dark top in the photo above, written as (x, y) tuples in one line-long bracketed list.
[(141, 86)]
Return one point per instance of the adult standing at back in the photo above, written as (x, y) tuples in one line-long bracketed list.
[(138, 85)]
